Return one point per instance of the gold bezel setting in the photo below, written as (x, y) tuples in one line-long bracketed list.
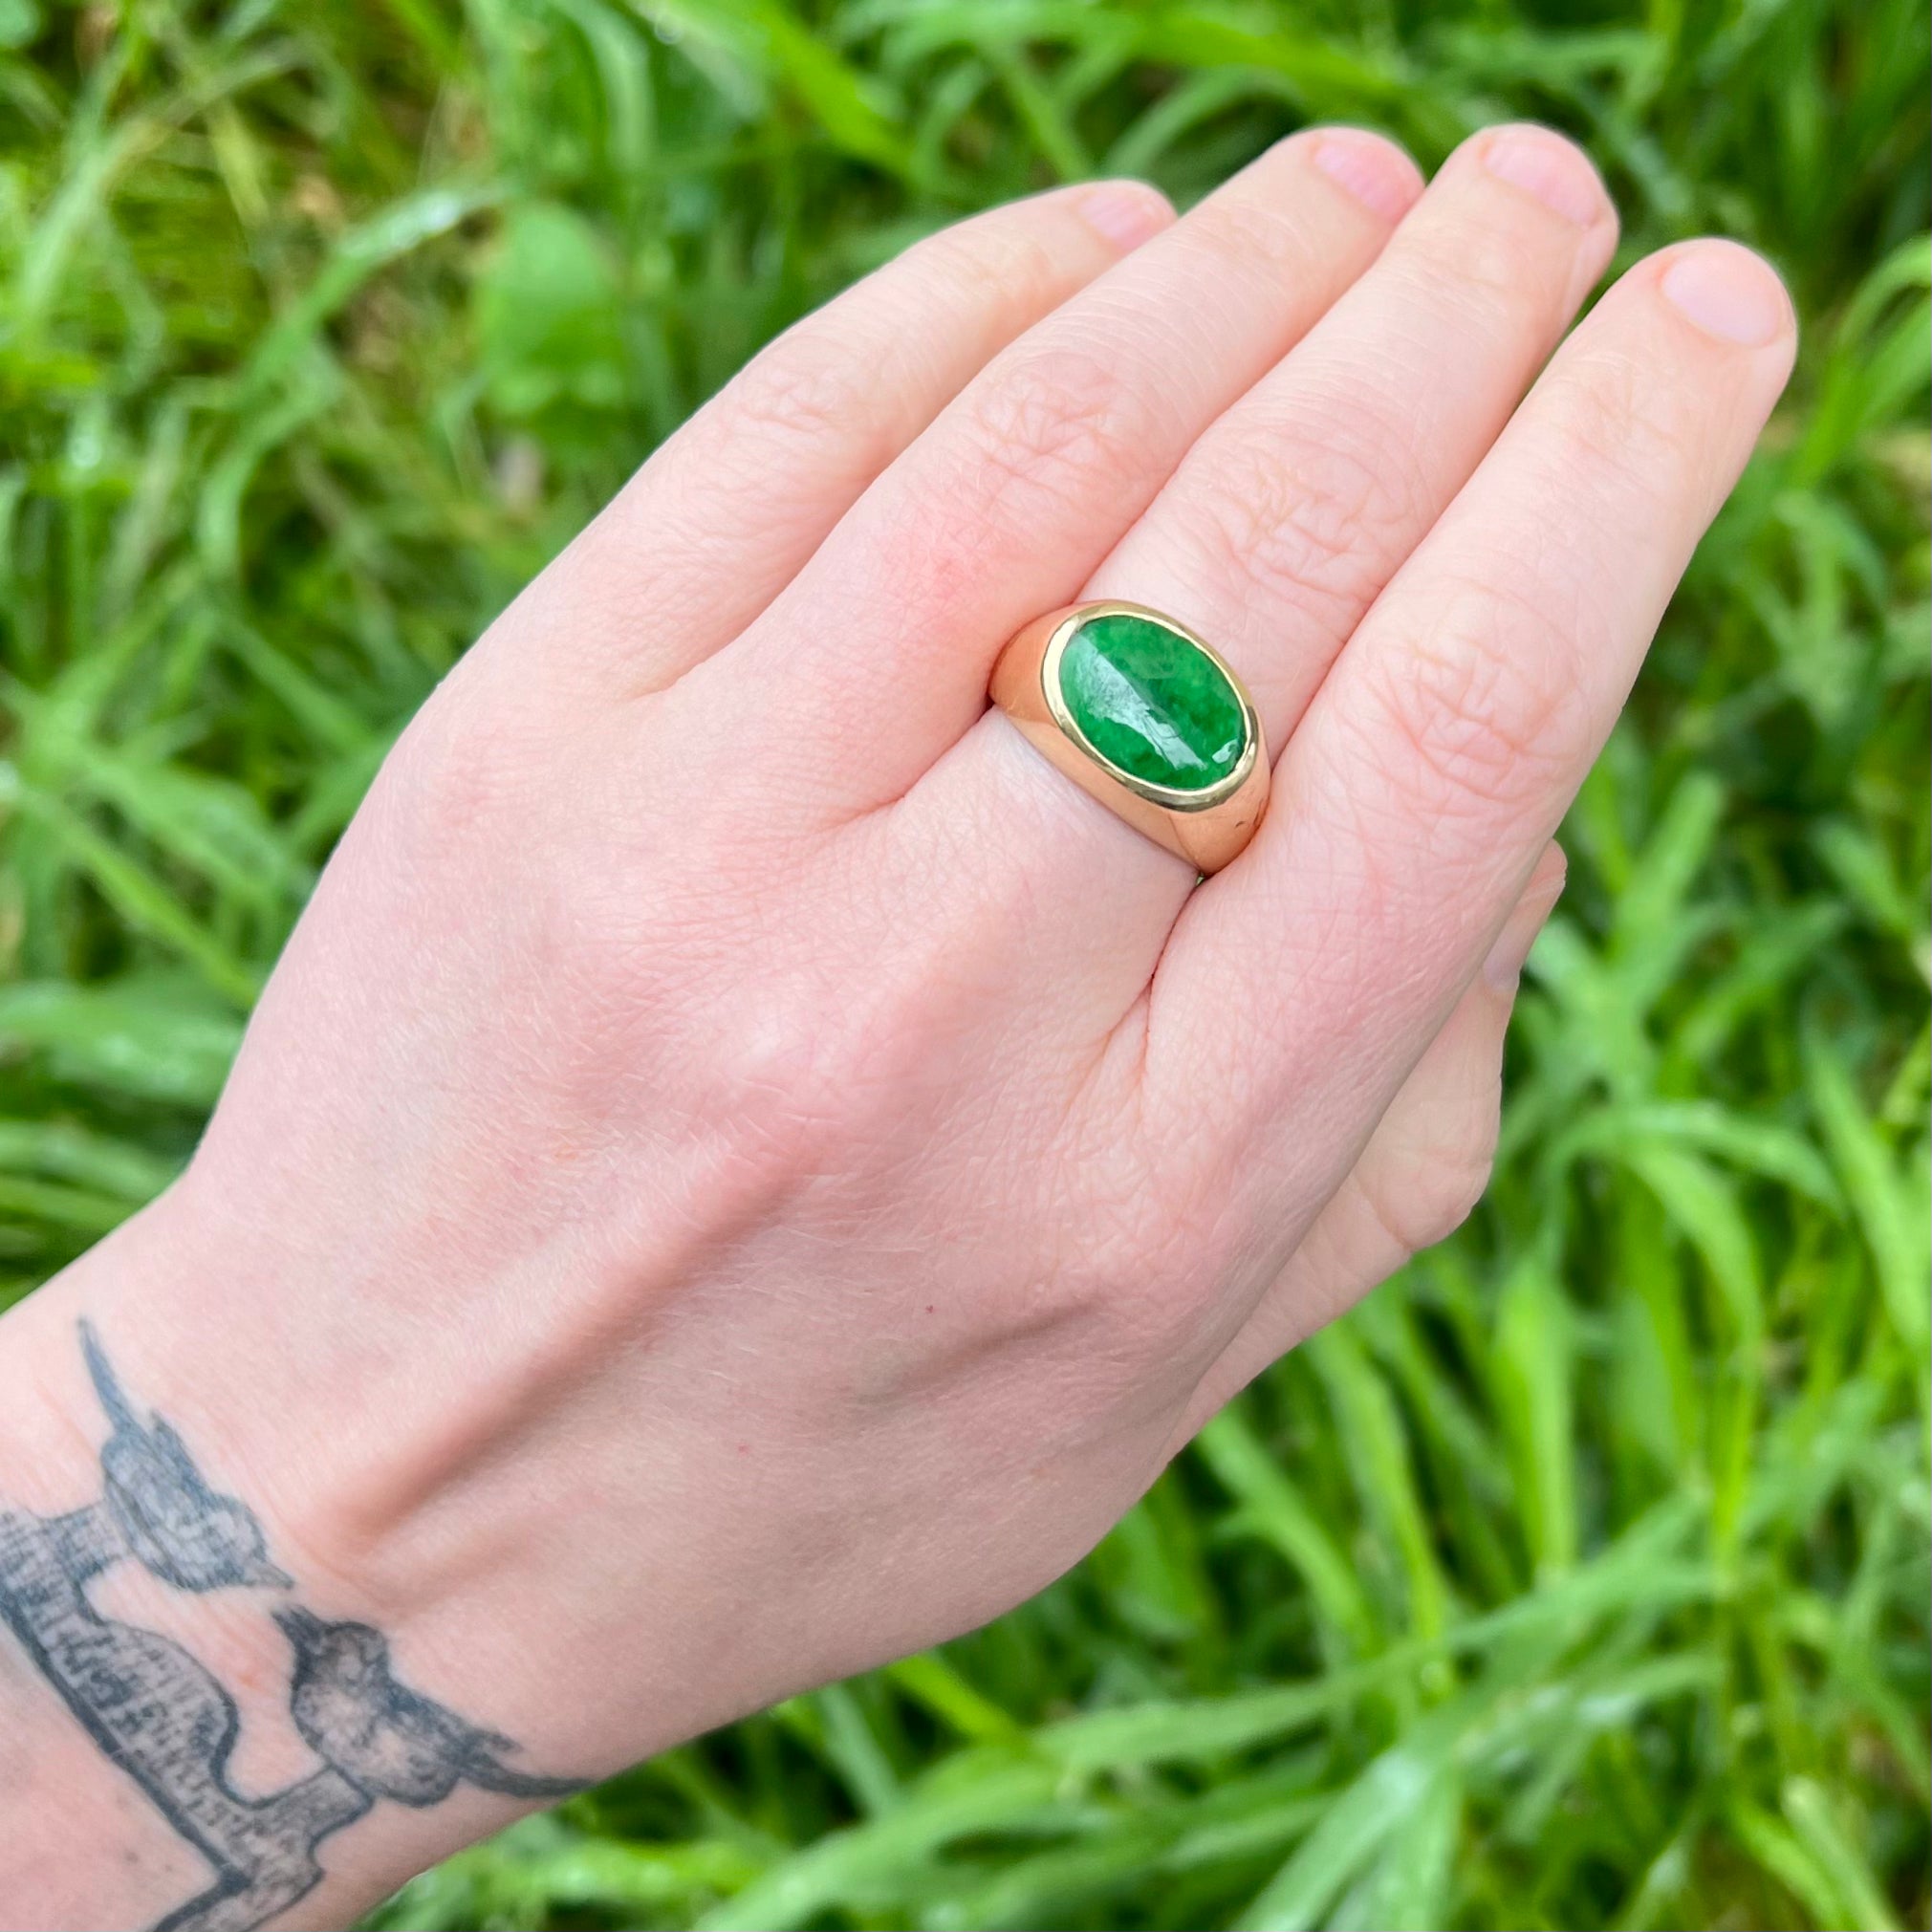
[(1170, 797), (1206, 828)]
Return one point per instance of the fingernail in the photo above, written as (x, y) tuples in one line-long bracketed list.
[(1511, 954), (1546, 166), (1728, 293), (1124, 212), (1376, 171)]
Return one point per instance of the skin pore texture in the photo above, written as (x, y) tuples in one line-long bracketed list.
[(743, 1170)]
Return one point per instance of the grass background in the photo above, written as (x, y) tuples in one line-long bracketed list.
[(1581, 1577)]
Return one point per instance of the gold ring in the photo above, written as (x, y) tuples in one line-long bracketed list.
[(1137, 709)]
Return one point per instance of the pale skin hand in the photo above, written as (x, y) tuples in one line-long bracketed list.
[(743, 1171)]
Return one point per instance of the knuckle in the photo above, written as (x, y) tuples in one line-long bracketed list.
[(812, 383), (1308, 528), (1480, 703), (1609, 418), (1004, 249), (1483, 248), (821, 1068), (1051, 420), (784, 1087), (785, 1082), (1472, 270), (1267, 231)]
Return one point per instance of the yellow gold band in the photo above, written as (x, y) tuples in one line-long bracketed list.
[(1147, 717)]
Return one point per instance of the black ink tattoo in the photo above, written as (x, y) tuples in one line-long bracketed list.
[(169, 1518), (168, 1721), (387, 1739)]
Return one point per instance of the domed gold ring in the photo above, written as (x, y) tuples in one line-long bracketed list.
[(1147, 717)]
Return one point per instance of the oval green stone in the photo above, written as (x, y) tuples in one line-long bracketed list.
[(1151, 703)]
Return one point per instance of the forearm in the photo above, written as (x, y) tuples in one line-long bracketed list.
[(199, 1733)]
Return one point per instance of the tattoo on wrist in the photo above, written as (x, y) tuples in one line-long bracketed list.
[(168, 1722)]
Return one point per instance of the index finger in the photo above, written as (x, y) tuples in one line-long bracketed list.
[(1438, 757)]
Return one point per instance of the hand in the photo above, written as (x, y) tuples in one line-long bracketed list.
[(744, 1170)]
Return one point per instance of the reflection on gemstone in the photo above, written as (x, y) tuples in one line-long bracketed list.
[(1152, 702)]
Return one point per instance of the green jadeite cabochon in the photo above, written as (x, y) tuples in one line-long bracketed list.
[(1152, 701)]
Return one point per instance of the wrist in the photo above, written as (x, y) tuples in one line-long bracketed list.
[(164, 1637)]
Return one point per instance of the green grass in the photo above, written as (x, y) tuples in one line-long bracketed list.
[(1581, 1577)]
